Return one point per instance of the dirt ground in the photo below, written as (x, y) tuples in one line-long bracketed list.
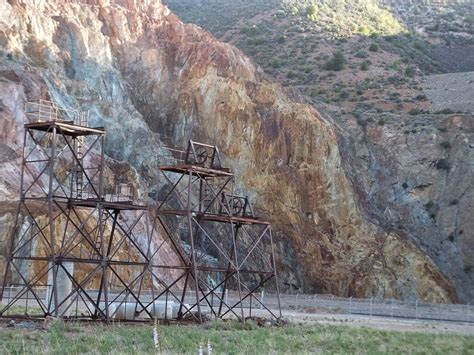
[(454, 91), (385, 323)]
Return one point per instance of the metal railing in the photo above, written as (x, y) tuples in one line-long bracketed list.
[(376, 307), (315, 303), (43, 110), (169, 156)]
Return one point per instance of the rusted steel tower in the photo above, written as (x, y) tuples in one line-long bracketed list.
[(217, 235), (83, 249), (74, 251)]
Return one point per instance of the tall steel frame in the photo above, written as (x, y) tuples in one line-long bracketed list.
[(80, 251), (76, 251)]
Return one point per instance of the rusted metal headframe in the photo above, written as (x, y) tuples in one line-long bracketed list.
[(217, 235), (77, 252)]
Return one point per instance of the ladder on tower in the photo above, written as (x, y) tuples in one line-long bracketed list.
[(83, 118)]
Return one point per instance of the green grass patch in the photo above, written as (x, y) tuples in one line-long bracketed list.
[(227, 337)]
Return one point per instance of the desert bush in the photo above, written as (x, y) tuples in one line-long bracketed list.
[(446, 111), (395, 65), (343, 95), (275, 63), (257, 41), (410, 71), (312, 12), (415, 111), (315, 92), (361, 54), (281, 39), (365, 65), (250, 31), (336, 62), (374, 47)]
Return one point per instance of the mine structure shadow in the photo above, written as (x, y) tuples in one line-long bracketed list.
[(85, 249)]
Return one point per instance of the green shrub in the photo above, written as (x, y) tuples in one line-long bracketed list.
[(374, 47), (365, 65), (257, 41), (415, 111), (337, 62), (364, 30), (361, 54), (250, 31), (294, 10), (469, 19), (410, 71), (312, 12), (281, 39), (275, 63), (419, 46), (395, 65), (446, 111), (343, 95)]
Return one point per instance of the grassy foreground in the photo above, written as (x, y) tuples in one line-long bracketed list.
[(229, 338)]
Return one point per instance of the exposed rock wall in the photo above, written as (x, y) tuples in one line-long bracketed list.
[(418, 180), (149, 78)]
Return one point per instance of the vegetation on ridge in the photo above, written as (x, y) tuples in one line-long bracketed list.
[(385, 56)]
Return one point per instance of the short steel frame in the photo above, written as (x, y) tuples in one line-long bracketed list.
[(201, 215)]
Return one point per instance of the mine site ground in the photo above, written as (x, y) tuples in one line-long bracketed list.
[(381, 323), (452, 91), (304, 333)]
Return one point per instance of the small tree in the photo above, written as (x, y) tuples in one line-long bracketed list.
[(374, 47), (410, 71), (365, 65), (275, 63), (337, 62), (312, 12)]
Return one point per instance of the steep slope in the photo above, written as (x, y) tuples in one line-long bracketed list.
[(386, 49), (149, 78), (409, 158)]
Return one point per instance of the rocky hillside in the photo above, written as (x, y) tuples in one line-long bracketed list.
[(150, 79), (370, 67), (357, 55)]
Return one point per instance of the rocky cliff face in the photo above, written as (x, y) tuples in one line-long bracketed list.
[(148, 78), (415, 176)]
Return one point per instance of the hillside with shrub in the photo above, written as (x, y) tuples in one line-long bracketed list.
[(359, 56)]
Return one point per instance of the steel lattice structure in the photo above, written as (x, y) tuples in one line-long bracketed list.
[(79, 252), (202, 217)]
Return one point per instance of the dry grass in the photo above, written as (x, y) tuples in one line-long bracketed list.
[(227, 337)]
